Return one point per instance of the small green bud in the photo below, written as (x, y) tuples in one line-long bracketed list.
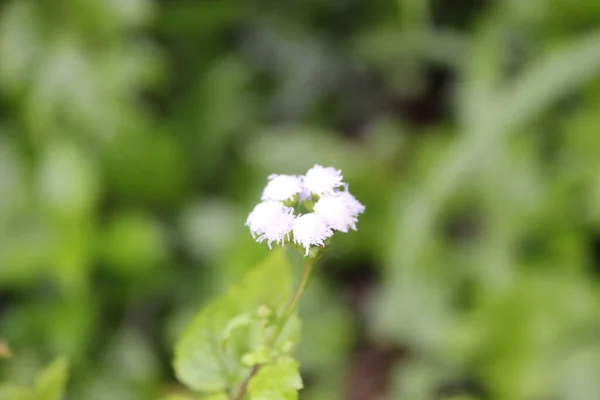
[(249, 360), (293, 202), (264, 312), (262, 355), (286, 346)]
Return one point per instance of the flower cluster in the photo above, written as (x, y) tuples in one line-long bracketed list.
[(304, 209)]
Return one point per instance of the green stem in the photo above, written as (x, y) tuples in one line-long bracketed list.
[(287, 313), (293, 303)]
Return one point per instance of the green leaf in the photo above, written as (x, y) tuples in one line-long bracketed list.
[(177, 397), (13, 392), (278, 381), (290, 335), (215, 396), (51, 382), (212, 396), (208, 354), (550, 79)]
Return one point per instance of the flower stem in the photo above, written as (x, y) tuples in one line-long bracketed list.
[(293, 303), (287, 313)]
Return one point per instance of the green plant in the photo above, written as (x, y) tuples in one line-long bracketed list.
[(241, 344)]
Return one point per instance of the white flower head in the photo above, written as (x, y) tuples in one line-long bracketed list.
[(309, 230), (282, 187), (321, 180), (353, 205), (271, 221), (335, 211)]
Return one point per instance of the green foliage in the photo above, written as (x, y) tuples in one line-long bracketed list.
[(135, 137), (177, 397), (10, 392), (233, 332), (217, 396), (277, 381), (51, 382), (49, 385)]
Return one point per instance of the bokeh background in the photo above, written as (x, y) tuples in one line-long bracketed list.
[(136, 135)]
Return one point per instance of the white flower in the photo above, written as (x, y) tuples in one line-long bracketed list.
[(271, 221), (321, 180), (353, 205), (334, 210), (310, 229), (282, 187)]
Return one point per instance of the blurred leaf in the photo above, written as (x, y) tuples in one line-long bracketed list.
[(201, 360), (67, 326), (277, 381), (190, 17), (416, 380), (294, 149), (19, 42), (51, 382), (68, 180), (116, 13), (524, 331), (127, 369), (548, 80), (132, 352), (327, 329), (209, 227), (387, 46), (136, 157), (216, 396), (134, 243), (178, 397), (578, 378), (12, 392)]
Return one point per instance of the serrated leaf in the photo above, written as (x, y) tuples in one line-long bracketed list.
[(277, 381), (51, 382), (201, 361)]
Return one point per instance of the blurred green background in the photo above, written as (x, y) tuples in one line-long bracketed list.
[(136, 135)]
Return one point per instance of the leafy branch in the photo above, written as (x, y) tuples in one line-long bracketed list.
[(289, 311), (241, 342)]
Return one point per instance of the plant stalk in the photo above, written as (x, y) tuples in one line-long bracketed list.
[(287, 313)]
